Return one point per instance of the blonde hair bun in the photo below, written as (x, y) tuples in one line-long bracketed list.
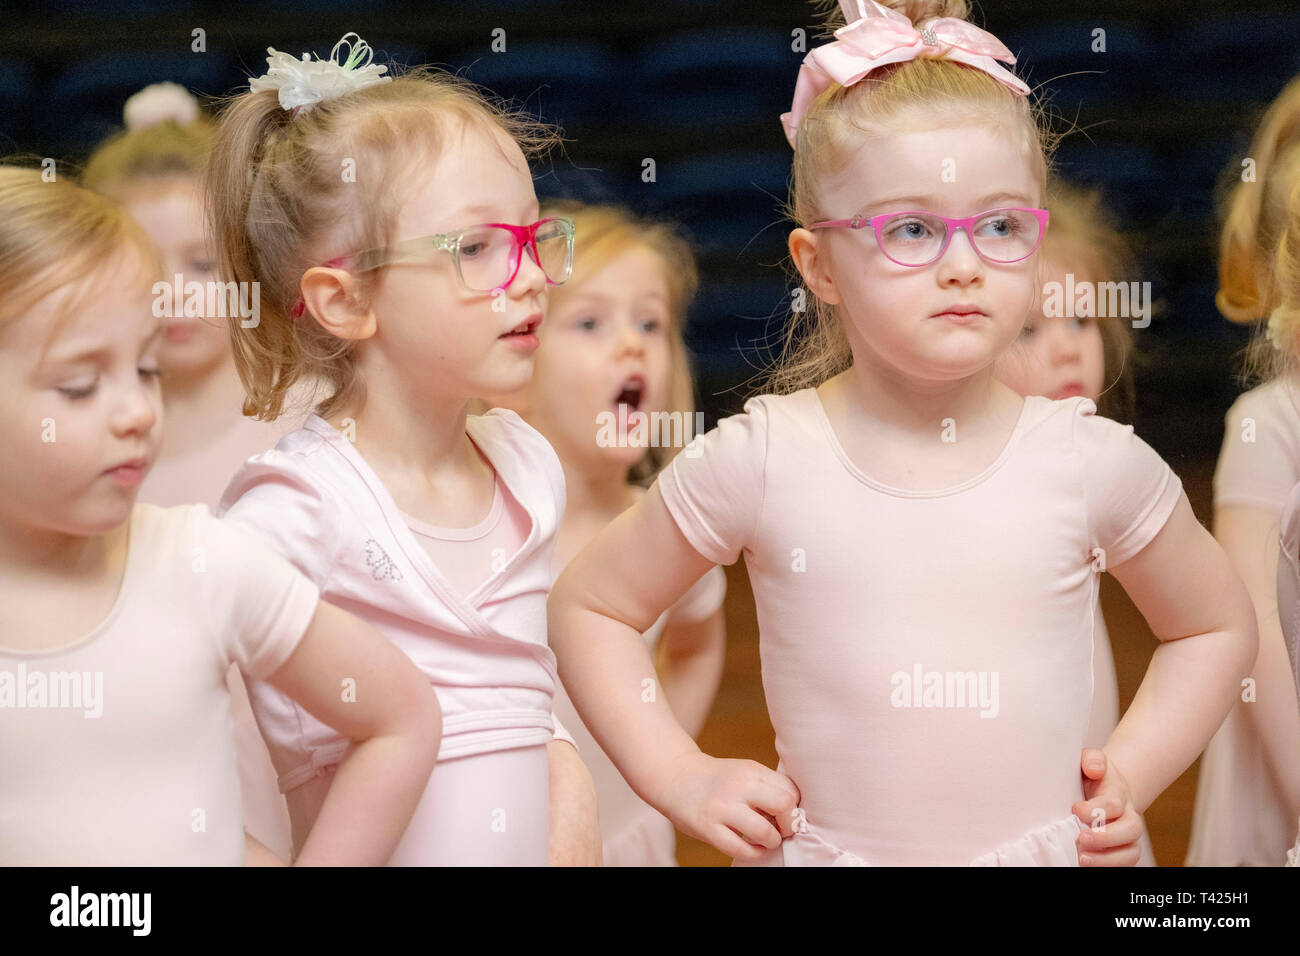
[(158, 103)]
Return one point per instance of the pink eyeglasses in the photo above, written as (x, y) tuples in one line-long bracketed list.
[(487, 257), (916, 239)]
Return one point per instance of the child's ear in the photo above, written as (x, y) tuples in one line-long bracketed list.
[(333, 297), (812, 262)]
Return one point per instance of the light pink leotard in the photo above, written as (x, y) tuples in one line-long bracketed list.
[(317, 502), (1288, 606), (927, 655), (138, 767), (1241, 817), (199, 478)]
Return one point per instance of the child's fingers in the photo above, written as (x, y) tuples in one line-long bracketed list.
[(726, 841), (753, 827), (1127, 829), (1093, 763), (1126, 855), (1111, 806), (772, 798)]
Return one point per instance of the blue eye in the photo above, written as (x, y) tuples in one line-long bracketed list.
[(651, 325), (587, 324), (1002, 226), (909, 230)]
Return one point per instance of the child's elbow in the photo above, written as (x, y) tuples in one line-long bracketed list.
[(1246, 627), (419, 715)]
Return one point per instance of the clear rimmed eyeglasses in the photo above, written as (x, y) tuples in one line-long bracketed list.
[(917, 238), (487, 257)]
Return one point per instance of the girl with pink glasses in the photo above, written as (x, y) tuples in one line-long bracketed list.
[(392, 226), (924, 544)]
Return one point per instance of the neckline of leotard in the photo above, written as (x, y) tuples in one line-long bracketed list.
[(880, 486)]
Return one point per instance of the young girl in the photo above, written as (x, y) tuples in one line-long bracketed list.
[(613, 346), (155, 168), (393, 229), (1284, 336), (923, 542), (1248, 794), (114, 728), (1060, 355)]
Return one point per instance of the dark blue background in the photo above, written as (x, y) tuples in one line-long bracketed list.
[(1166, 115)]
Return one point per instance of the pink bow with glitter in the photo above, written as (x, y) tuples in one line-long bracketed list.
[(876, 36)]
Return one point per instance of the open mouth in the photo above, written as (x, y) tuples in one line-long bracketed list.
[(631, 393), (527, 327)]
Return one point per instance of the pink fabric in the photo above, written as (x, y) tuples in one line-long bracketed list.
[(1288, 583), (200, 477), (647, 838), (1051, 845), (876, 36), (315, 500), (862, 589), (1259, 462), (1241, 818), (470, 557), (1288, 606), (486, 810), (151, 781), (634, 833)]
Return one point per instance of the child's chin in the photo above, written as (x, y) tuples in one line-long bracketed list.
[(100, 519), (507, 383)]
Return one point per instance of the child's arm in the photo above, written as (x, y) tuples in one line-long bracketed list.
[(574, 838), (606, 597), (691, 657), (391, 713), (1250, 536), (1196, 605)]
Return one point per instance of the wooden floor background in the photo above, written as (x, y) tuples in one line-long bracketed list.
[(739, 727)]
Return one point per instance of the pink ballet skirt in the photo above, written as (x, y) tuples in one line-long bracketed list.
[(1050, 845), (648, 839)]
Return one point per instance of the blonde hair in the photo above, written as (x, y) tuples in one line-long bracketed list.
[(1255, 213), (57, 233), (816, 346), (1283, 326), (134, 157), (1083, 233), (605, 232), (275, 194)]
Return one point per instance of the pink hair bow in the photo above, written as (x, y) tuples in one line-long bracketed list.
[(875, 36)]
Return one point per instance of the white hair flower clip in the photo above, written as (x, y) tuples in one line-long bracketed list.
[(158, 103), (1281, 329), (304, 83)]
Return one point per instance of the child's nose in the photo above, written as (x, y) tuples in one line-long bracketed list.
[(960, 262), (530, 277), (1064, 344), (136, 412), (630, 339)]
